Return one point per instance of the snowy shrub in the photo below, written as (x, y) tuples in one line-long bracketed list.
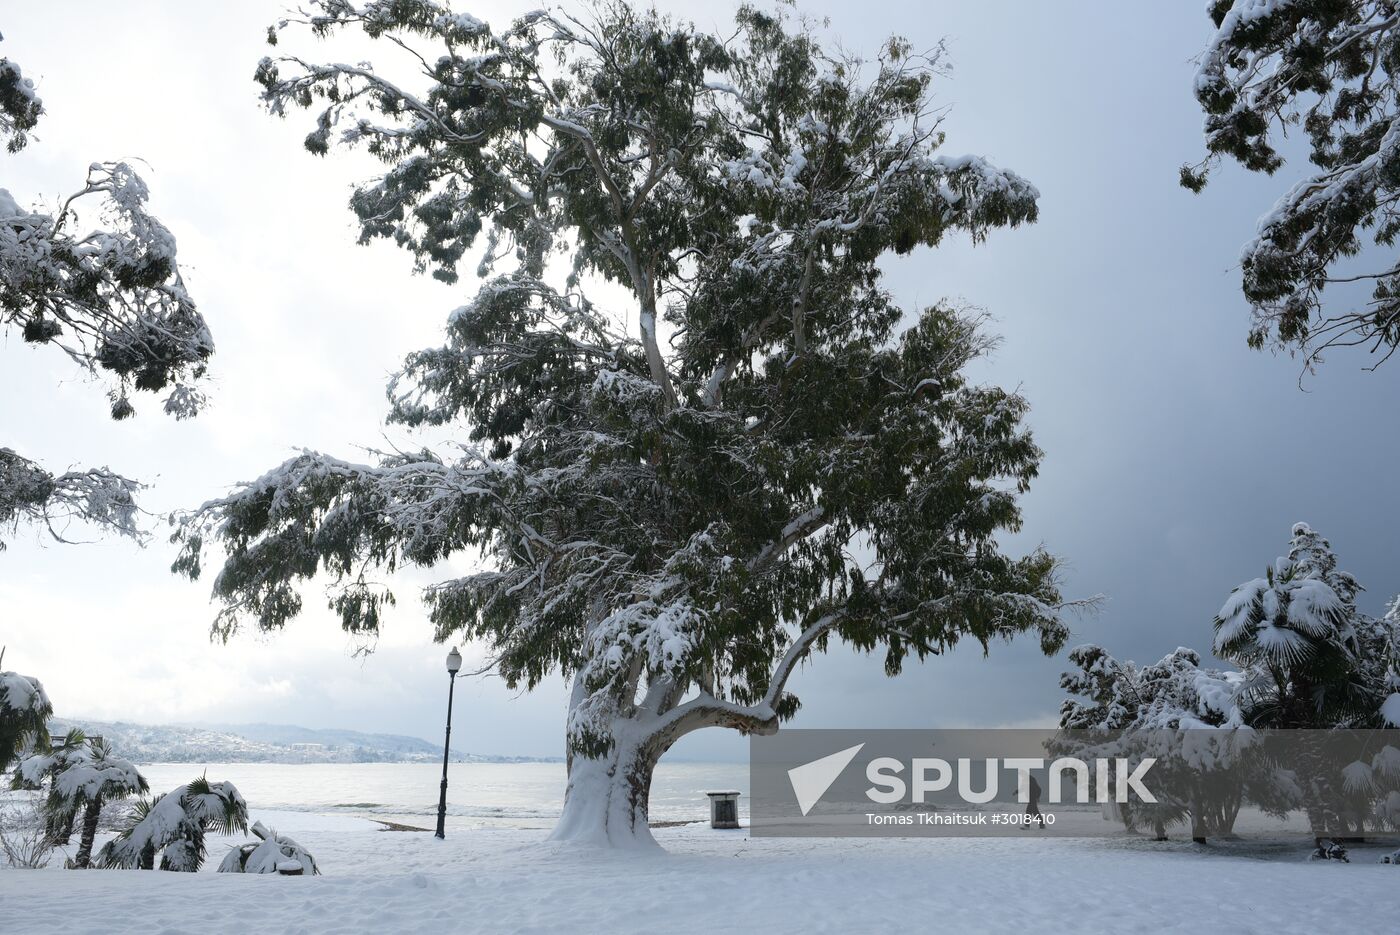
[(25, 840), (36, 773), (1309, 658), (272, 853), (1184, 716), (174, 826), (1312, 661)]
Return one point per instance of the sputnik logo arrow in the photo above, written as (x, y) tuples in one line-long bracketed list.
[(811, 780)]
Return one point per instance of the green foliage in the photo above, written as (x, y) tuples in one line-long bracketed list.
[(111, 299), (20, 107), (1330, 68), (173, 825), (803, 456), (24, 714), (1312, 660)]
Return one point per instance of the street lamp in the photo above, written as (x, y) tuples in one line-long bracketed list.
[(454, 664)]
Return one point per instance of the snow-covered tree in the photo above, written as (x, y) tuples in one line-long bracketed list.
[(1308, 655), (39, 771), (271, 853), (1333, 69), (1183, 715), (1311, 661), (1390, 687), (759, 453), (83, 778), (174, 826), (111, 299), (24, 713)]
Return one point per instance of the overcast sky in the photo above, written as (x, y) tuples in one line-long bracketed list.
[(1176, 459)]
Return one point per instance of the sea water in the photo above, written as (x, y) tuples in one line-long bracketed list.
[(513, 795)]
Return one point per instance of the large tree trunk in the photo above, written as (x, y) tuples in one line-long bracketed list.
[(607, 797), (83, 860), (606, 800)]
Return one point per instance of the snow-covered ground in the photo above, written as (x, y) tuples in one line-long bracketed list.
[(513, 881)]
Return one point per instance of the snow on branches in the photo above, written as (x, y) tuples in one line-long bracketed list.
[(20, 107), (1175, 693), (110, 299), (1188, 718), (95, 496), (98, 280), (675, 524), (1331, 68)]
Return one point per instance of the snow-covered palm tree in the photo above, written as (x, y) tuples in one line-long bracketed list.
[(174, 825), (41, 769), (83, 775), (24, 712), (271, 853), (1298, 637), (1312, 662)]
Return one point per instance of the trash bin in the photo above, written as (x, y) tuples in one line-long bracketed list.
[(724, 809)]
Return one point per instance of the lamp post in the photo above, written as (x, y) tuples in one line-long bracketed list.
[(454, 664)]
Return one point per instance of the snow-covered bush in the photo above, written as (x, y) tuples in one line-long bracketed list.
[(271, 853), (1312, 661), (1311, 665), (174, 826), (36, 772), (25, 840), (676, 525), (1184, 716)]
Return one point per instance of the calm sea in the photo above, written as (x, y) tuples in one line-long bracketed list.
[(521, 795)]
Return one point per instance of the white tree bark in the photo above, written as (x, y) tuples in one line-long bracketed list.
[(606, 801), (607, 798)]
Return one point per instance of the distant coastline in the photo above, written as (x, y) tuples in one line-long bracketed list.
[(269, 743)]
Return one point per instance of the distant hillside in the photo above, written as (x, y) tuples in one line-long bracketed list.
[(266, 743)]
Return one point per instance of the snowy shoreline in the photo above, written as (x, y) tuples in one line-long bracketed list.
[(514, 881)]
